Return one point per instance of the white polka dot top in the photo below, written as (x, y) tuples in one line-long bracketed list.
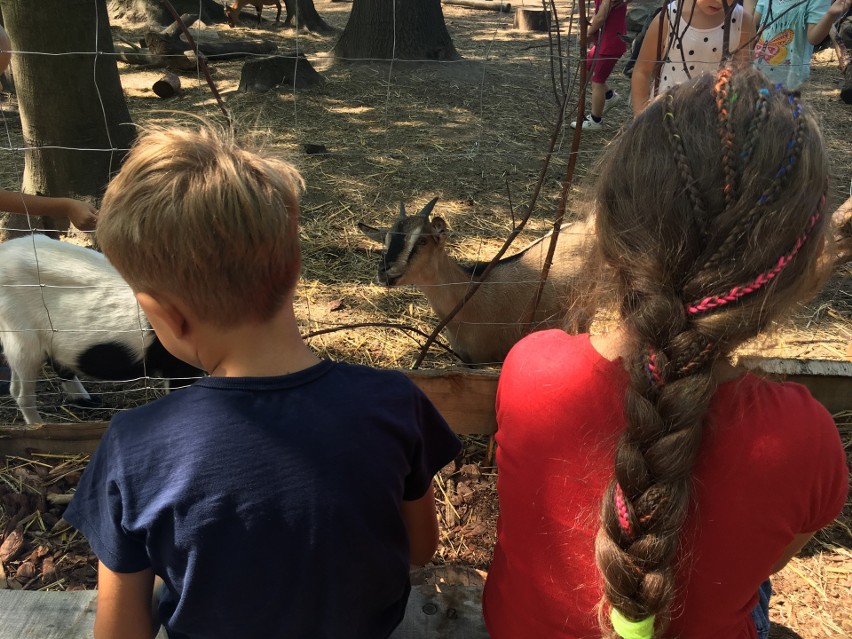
[(696, 50)]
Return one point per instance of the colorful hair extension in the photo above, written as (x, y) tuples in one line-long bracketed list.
[(621, 510), (654, 371), (726, 132), (698, 360), (761, 114), (794, 146), (682, 162), (709, 303)]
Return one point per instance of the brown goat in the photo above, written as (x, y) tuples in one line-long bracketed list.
[(232, 11), (496, 316)]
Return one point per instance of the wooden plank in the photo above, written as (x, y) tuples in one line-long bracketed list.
[(465, 398), (47, 615), (55, 439), (830, 382), (433, 612), (443, 612)]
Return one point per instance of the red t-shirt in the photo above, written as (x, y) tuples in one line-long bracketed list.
[(771, 466)]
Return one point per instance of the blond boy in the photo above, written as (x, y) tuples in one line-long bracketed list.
[(282, 496)]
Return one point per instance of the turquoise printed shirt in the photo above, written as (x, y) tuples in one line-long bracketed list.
[(783, 52)]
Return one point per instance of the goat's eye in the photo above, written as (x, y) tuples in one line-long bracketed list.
[(423, 241)]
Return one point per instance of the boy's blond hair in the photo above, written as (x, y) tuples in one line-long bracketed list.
[(193, 216)]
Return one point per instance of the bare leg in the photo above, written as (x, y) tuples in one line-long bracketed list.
[(598, 99)]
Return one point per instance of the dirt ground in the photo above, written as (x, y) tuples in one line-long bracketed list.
[(473, 132)]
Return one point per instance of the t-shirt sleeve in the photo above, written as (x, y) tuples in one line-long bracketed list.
[(435, 447), (98, 507), (816, 10), (830, 478)]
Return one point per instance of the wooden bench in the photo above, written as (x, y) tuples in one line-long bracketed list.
[(433, 612)]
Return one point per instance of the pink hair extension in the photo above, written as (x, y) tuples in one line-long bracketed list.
[(621, 509), (709, 303), (653, 370)]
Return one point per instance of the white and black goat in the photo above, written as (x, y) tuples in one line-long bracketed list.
[(495, 317), (67, 305)]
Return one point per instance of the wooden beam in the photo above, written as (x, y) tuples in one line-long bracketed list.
[(464, 397), (53, 439), (830, 382)]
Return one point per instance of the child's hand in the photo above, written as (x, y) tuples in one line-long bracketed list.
[(839, 8), (81, 214)]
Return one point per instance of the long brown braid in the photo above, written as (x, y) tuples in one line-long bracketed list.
[(700, 268)]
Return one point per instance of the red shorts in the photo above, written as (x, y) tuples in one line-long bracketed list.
[(603, 62), (610, 47)]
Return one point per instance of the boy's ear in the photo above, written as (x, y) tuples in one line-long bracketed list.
[(164, 316)]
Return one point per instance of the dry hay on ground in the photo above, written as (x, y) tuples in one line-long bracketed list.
[(467, 131)]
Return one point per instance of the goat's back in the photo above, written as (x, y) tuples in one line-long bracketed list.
[(68, 294)]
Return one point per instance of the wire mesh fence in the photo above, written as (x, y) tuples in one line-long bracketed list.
[(473, 131)]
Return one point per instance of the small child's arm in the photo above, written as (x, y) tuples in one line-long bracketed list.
[(421, 522), (80, 214), (124, 604), (646, 67), (817, 32), (748, 36), (599, 18)]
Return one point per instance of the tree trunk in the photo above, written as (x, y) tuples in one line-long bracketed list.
[(412, 30), (306, 16), (75, 121)]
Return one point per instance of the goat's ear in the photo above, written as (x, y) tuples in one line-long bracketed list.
[(439, 226), (377, 235)]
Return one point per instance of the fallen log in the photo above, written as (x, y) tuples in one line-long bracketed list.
[(486, 5), (144, 58), (167, 86), (169, 43)]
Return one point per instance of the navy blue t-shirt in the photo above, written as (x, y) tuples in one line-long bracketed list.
[(271, 507)]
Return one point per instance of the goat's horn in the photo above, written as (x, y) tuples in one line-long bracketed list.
[(428, 208), (401, 209)]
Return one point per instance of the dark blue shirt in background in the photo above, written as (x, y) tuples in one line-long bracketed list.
[(271, 507)]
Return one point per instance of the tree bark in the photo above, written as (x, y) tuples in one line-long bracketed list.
[(303, 15), (396, 29), (74, 117)]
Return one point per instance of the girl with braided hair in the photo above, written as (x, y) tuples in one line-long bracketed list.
[(647, 487)]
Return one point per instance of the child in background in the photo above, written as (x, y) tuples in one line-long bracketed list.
[(282, 496), (80, 214), (691, 43), (608, 24), (789, 30), (639, 470)]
